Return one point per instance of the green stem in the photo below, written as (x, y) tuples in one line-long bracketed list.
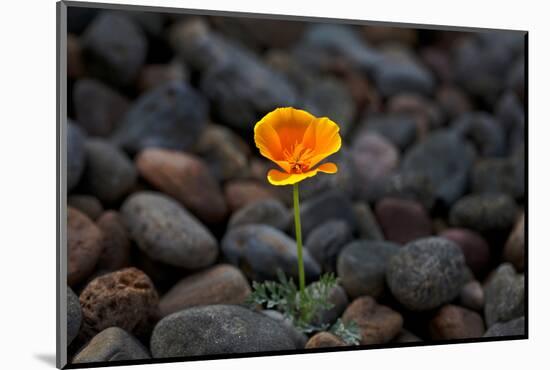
[(298, 225)]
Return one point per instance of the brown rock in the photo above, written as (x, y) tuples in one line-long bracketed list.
[(455, 322), (84, 245), (514, 250), (239, 193), (377, 323), (403, 220), (221, 284), (116, 242), (154, 75), (125, 298), (186, 178), (324, 339), (87, 204)]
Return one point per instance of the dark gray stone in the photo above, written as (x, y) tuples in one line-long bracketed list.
[(400, 129), (330, 205), (112, 344), (362, 267), (74, 315), (505, 329), (366, 222), (449, 158), (218, 329), (110, 174), (115, 48), (167, 232), (325, 242), (260, 250), (504, 295), (87, 204), (426, 273), (299, 338), (403, 76), (268, 212), (497, 175), (483, 131), (486, 213), (171, 116), (339, 300), (75, 155)]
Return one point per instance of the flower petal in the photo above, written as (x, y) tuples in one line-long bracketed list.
[(324, 137), (276, 177)]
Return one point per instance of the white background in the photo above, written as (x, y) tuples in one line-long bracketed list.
[(27, 170)]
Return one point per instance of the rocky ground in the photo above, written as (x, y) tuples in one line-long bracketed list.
[(170, 216)]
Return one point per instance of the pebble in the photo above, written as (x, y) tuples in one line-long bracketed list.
[(338, 298), (116, 242), (406, 336), (74, 315), (84, 246), (475, 248), (297, 336), (325, 242), (225, 152), (497, 175), (187, 179), (415, 186), (506, 329), (366, 222), (504, 295), (514, 249), (453, 101), (112, 344), (455, 322), (260, 250), (76, 156), (87, 204), (270, 212), (402, 220), (152, 76), (374, 158), (330, 205), (98, 108), (483, 131), (472, 296), (377, 324), (485, 213), (217, 329), (399, 129), (126, 298), (362, 267), (110, 174), (221, 284), (324, 339), (239, 193), (75, 61), (115, 48), (450, 159), (426, 273), (171, 116), (424, 112), (167, 232)]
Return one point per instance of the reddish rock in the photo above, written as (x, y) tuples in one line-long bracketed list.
[(403, 220), (475, 248), (324, 339), (221, 284), (514, 250), (116, 242), (455, 322), (187, 179), (239, 193), (126, 299), (377, 323), (84, 245), (154, 75)]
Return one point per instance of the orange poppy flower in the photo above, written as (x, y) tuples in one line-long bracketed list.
[(296, 141)]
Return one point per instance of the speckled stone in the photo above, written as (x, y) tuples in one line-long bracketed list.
[(324, 339), (74, 315), (504, 295), (455, 322)]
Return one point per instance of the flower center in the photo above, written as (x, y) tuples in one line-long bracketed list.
[(298, 157)]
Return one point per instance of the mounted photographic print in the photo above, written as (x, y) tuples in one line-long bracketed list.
[(235, 184)]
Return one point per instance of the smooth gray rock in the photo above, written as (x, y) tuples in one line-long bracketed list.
[(74, 315), (326, 241), (112, 344), (509, 328), (362, 267), (260, 250), (268, 212), (218, 329), (75, 155), (167, 232), (426, 273)]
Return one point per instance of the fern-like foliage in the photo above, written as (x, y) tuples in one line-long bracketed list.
[(302, 309)]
